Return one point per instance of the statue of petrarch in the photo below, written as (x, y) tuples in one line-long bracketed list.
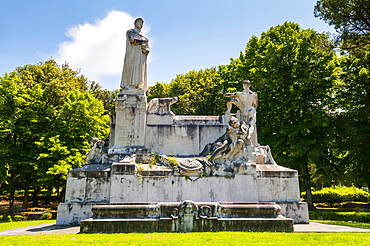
[(134, 74)]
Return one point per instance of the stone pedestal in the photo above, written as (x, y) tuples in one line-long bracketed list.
[(186, 216), (130, 122)]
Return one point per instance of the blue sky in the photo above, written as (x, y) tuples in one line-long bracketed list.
[(184, 35)]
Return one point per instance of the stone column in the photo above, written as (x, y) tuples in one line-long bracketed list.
[(130, 122)]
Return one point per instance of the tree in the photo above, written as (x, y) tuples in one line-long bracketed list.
[(197, 91), (47, 120), (293, 73), (354, 118), (350, 18)]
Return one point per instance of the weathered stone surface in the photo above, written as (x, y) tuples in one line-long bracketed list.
[(130, 123), (134, 74), (298, 211), (90, 183), (241, 188), (187, 216), (161, 106), (181, 140), (73, 213), (277, 184)]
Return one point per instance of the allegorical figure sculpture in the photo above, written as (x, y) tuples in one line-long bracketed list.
[(97, 150), (134, 74), (247, 102), (238, 138)]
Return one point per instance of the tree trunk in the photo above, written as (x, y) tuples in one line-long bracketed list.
[(48, 196), (307, 184), (11, 204), (35, 200), (319, 184), (25, 199), (62, 195)]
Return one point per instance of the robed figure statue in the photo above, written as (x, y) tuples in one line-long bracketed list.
[(135, 64)]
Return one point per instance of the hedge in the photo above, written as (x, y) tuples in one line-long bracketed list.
[(339, 194), (341, 216)]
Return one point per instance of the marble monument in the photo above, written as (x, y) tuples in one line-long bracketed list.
[(156, 175)]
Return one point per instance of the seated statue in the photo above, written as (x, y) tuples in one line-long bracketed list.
[(239, 136), (98, 148)]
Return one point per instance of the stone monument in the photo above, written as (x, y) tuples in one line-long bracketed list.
[(153, 177), (131, 102)]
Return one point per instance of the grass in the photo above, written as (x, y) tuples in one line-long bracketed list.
[(17, 224), (344, 223), (205, 238)]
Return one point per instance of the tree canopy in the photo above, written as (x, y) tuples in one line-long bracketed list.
[(48, 116), (350, 18)]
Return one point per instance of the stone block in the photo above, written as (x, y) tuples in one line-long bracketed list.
[(73, 213), (153, 119), (298, 211)]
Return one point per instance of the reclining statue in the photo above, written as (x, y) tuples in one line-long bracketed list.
[(239, 136)]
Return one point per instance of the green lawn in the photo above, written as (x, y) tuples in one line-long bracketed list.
[(206, 238), (12, 225), (344, 223)]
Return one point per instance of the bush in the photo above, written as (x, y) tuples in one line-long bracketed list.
[(46, 216), (18, 217), (10, 218), (339, 194), (1, 217), (341, 216)]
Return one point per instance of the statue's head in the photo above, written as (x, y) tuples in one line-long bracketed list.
[(246, 83), (234, 122), (139, 22)]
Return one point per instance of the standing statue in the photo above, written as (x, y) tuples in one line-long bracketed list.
[(135, 64), (247, 102)]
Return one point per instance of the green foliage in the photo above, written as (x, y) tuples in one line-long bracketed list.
[(154, 159), (353, 123), (172, 161), (46, 216), (197, 91), (10, 218), (48, 115), (18, 217), (339, 194), (350, 19), (341, 216), (1, 217), (293, 74)]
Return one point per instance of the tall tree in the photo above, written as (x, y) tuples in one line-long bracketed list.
[(47, 118), (293, 74), (354, 118), (350, 18)]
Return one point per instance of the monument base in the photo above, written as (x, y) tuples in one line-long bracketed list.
[(186, 216)]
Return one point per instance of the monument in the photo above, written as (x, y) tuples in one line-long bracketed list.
[(131, 102), (154, 178)]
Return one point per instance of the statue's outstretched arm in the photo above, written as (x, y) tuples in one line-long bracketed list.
[(255, 104), (230, 94)]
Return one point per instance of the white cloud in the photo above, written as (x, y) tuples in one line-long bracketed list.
[(99, 48)]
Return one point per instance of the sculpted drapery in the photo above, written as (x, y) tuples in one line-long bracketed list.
[(134, 74)]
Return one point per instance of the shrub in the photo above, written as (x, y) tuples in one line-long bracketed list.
[(46, 216), (339, 194), (10, 218), (18, 217), (1, 217), (341, 216)]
